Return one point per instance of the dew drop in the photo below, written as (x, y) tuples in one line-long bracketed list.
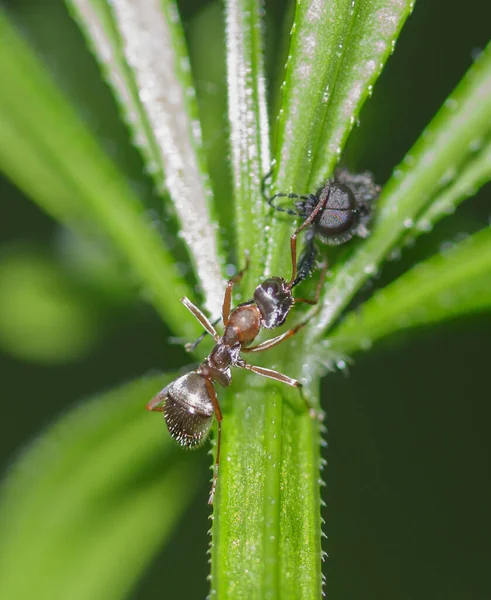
[(451, 104), (424, 225), (395, 254), (446, 247), (447, 177), (475, 145), (476, 53)]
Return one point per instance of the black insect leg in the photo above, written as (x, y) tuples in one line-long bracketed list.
[(306, 263)]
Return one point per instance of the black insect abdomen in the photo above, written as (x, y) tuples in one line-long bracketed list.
[(337, 221)]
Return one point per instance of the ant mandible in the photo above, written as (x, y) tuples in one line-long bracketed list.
[(342, 206), (190, 402)]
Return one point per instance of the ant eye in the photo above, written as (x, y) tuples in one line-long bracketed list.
[(188, 410)]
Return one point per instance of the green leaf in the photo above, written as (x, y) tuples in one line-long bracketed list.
[(43, 315), (337, 51), (440, 152), (89, 502), (445, 286), (249, 128), (475, 173), (206, 38), (153, 84), (51, 155)]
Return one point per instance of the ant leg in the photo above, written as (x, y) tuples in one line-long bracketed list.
[(218, 414), (227, 299), (270, 374), (191, 346), (266, 345), (156, 404), (198, 315), (269, 199), (289, 211), (265, 182), (320, 285), (293, 240), (305, 265)]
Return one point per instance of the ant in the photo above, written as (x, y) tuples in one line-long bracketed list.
[(343, 209), (190, 402)]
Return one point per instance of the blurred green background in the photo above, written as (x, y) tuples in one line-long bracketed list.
[(408, 475)]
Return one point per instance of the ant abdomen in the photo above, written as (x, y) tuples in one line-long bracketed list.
[(336, 224), (188, 411)]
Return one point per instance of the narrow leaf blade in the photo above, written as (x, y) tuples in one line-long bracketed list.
[(475, 173), (337, 51), (249, 128), (89, 502), (144, 43), (442, 149), (442, 287), (48, 151)]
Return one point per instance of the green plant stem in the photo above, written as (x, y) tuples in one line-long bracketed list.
[(266, 541), (268, 493)]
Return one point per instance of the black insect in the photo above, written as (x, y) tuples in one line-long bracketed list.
[(190, 402), (342, 208)]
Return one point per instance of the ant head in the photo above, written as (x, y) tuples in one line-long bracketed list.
[(187, 408), (274, 300)]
